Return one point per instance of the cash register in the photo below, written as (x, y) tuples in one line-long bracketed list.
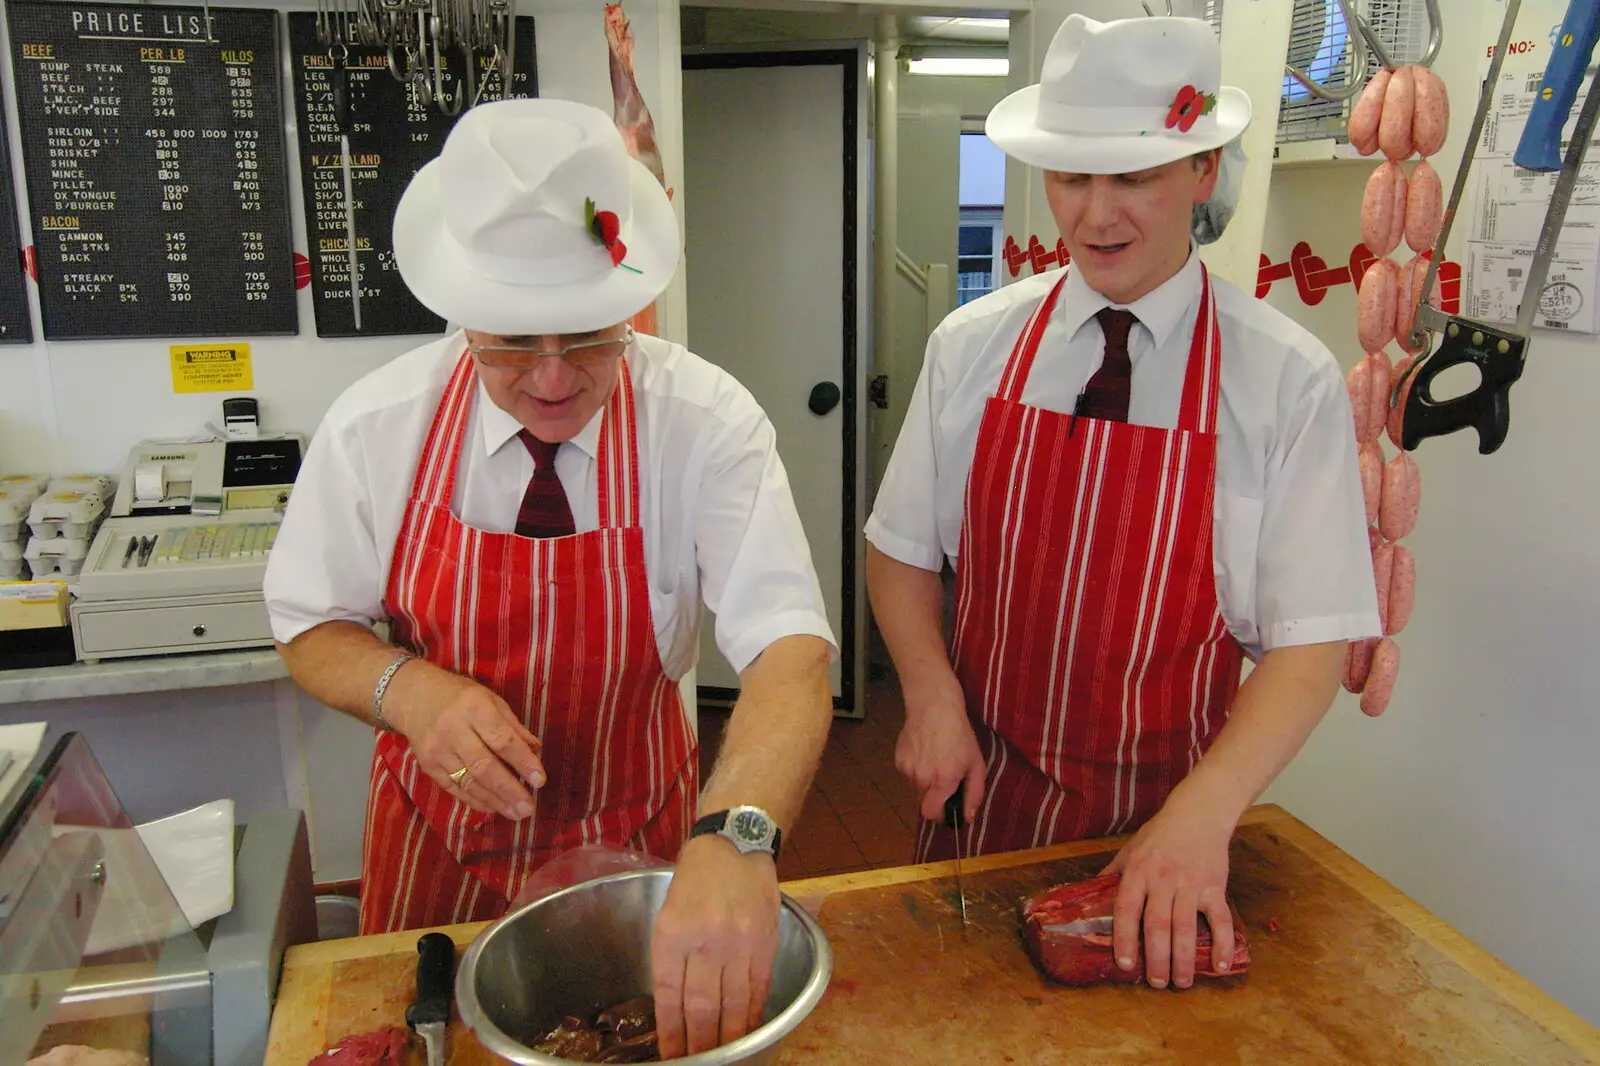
[(177, 565)]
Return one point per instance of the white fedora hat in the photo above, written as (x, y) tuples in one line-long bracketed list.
[(535, 220), (1115, 97)]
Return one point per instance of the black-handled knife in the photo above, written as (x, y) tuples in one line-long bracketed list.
[(955, 817), (430, 1014)]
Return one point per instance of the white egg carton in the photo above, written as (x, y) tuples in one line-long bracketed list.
[(98, 484), (56, 555), (28, 486), (12, 567), (14, 507), (73, 514)]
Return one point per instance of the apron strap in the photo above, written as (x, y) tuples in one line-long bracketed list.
[(619, 473), (1027, 346), (435, 480), (1202, 381)]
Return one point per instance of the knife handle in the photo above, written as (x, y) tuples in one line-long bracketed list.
[(955, 808), (436, 963), (1540, 146)]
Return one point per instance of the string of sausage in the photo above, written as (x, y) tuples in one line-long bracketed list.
[(1403, 112)]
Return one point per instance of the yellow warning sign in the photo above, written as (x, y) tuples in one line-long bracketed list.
[(211, 368)]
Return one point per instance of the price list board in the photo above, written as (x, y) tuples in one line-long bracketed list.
[(393, 128), (156, 172), (16, 325)]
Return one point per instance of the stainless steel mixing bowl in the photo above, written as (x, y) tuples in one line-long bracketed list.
[(587, 947)]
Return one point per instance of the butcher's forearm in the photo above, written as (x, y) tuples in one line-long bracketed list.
[(908, 605), (1276, 709), (340, 663), (776, 733)]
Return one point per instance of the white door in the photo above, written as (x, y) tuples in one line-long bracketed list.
[(775, 208)]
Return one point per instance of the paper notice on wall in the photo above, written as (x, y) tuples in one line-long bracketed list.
[(210, 368), (1512, 203), (1497, 274), (1509, 206)]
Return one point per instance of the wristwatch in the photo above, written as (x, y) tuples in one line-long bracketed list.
[(748, 828)]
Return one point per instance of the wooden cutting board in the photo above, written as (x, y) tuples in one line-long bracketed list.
[(1344, 969)]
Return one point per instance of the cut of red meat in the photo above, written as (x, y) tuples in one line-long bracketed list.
[(381, 1047), (1082, 955)]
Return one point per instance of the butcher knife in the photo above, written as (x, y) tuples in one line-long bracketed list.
[(430, 1014), (1499, 352), (955, 818)]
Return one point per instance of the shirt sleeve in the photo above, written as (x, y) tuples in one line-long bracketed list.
[(325, 564), (1314, 566), (756, 572), (905, 518)]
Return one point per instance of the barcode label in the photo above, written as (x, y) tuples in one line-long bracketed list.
[(1553, 324), (1533, 82), (1514, 272), (1524, 172)]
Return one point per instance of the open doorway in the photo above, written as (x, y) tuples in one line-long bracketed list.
[(863, 813)]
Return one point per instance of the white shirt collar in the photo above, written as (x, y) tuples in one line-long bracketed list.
[(499, 427), (1159, 311)]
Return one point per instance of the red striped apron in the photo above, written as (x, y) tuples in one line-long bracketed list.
[(1095, 661), (561, 629)]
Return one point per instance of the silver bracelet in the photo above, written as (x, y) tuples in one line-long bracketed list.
[(383, 686)]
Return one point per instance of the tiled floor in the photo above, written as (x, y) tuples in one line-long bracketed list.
[(860, 813)]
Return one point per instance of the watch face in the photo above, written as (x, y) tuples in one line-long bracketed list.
[(750, 826)]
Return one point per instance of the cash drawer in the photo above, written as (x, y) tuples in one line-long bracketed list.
[(153, 627)]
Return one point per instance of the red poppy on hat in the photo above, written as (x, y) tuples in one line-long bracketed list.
[(605, 227), (1188, 106)]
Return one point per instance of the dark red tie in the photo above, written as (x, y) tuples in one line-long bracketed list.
[(545, 511), (1106, 395)]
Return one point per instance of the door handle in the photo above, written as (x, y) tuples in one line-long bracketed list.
[(825, 397)]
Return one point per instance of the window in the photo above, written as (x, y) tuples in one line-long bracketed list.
[(1319, 45), (978, 251), (980, 239)]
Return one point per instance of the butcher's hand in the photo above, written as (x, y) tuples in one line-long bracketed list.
[(1174, 868), (454, 722), (937, 749), (713, 946)]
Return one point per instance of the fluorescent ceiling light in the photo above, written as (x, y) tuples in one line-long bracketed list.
[(999, 67), (970, 29)]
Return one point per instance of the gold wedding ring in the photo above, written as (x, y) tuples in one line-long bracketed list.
[(459, 777)]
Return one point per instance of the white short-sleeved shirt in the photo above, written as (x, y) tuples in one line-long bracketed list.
[(1292, 559), (719, 519)]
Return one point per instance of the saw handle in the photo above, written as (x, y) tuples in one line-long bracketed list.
[(1540, 146), (1498, 355)]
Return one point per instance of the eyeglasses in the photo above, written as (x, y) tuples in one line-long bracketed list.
[(582, 354)]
